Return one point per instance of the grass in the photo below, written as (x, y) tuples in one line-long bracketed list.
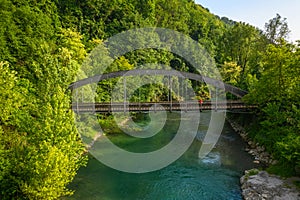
[(281, 169), (253, 172)]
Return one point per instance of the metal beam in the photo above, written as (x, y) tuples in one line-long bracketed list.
[(198, 77)]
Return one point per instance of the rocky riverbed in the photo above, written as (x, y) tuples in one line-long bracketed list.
[(255, 149), (257, 185)]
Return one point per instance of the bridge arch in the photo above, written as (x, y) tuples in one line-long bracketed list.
[(197, 77)]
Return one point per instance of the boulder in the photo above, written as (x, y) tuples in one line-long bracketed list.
[(265, 186)]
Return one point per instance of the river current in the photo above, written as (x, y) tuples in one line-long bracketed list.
[(189, 178)]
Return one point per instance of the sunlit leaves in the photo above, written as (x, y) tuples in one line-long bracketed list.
[(277, 94), (230, 72), (10, 95)]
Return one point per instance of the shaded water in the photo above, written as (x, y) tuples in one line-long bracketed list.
[(214, 177)]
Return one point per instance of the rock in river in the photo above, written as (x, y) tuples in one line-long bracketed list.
[(258, 185)]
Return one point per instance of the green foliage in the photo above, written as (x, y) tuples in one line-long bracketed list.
[(253, 172), (279, 77), (24, 26), (230, 72), (39, 144), (108, 124), (276, 92), (297, 183), (282, 169), (251, 81), (106, 87), (49, 169), (69, 40), (242, 44), (40, 148), (43, 44), (277, 29), (13, 100)]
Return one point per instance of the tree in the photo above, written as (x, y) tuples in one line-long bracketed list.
[(277, 29), (105, 87), (13, 98), (39, 144), (230, 72), (279, 78), (277, 94), (40, 147), (24, 26), (243, 45)]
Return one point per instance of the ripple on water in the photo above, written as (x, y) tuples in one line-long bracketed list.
[(214, 177), (210, 160), (178, 182)]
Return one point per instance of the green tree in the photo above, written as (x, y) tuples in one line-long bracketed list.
[(40, 147), (230, 72), (279, 77), (106, 87), (277, 94), (277, 29), (24, 26), (242, 44)]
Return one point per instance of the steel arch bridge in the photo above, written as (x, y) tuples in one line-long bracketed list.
[(146, 106)]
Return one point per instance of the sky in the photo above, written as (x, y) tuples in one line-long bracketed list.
[(258, 12)]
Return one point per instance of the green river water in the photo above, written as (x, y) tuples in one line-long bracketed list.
[(214, 177)]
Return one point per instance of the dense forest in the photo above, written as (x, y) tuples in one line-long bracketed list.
[(43, 44)]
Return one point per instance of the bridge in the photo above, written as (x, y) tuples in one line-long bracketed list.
[(104, 107), (159, 106)]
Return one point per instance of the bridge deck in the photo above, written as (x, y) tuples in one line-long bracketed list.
[(158, 106)]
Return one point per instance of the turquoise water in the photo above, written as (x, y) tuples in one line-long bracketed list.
[(214, 177)]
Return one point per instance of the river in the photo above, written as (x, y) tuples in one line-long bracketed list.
[(215, 177)]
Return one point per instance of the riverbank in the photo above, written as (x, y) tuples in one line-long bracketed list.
[(259, 184), (255, 149)]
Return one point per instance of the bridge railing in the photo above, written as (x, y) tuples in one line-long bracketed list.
[(158, 106)]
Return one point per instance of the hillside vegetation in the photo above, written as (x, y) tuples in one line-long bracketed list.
[(43, 44)]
